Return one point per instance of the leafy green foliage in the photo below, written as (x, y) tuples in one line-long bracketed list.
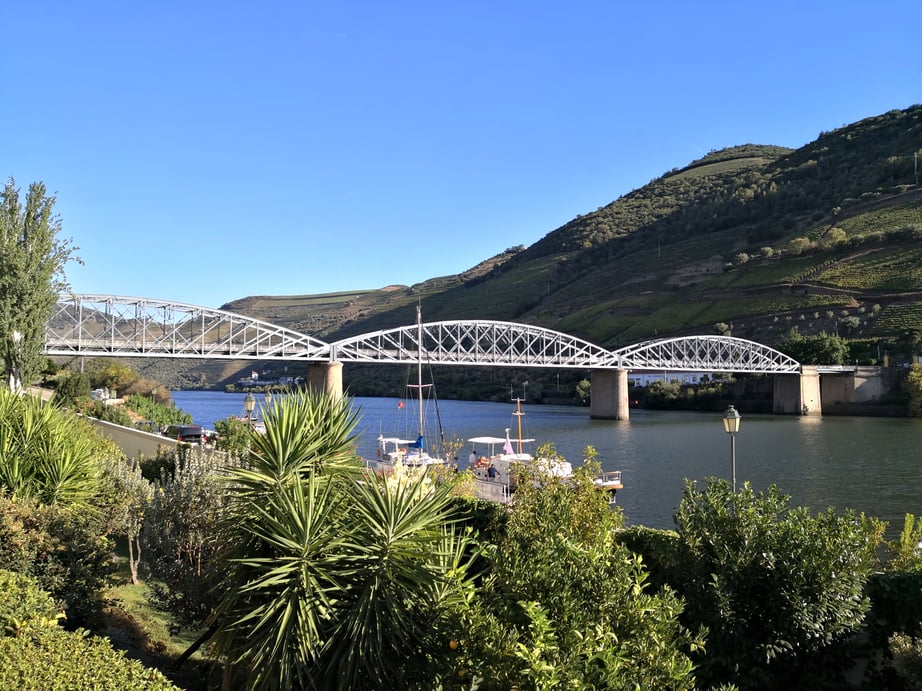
[(56, 660), (157, 412), (180, 536), (822, 349), (906, 660), (234, 435), (64, 551), (780, 591), (24, 606), (32, 260), (565, 605), (913, 386)]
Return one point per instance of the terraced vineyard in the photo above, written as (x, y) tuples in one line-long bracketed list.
[(889, 268), (899, 318)]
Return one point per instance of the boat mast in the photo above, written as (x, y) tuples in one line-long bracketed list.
[(518, 413), (419, 363)]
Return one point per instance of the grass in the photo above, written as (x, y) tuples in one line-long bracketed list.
[(144, 633)]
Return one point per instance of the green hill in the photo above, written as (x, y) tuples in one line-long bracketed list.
[(757, 239), (744, 234)]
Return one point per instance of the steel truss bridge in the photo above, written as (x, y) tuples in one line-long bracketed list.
[(112, 326)]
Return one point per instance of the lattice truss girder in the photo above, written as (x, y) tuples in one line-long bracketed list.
[(473, 343), (705, 354), (107, 325)]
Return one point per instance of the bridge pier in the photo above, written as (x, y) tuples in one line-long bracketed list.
[(326, 377), (609, 399), (798, 394)]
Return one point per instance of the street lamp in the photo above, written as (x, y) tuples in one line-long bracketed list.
[(249, 403), (267, 398), (732, 426)]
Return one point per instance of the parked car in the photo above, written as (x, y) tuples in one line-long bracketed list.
[(188, 434)]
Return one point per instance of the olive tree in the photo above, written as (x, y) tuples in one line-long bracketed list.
[(32, 260)]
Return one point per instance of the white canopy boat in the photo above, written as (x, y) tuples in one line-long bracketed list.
[(497, 467)]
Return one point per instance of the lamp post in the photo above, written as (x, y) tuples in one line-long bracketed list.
[(153, 397), (732, 426), (249, 403)]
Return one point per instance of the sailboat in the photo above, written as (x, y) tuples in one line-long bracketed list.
[(411, 453)]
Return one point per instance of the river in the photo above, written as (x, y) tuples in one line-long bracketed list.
[(863, 463)]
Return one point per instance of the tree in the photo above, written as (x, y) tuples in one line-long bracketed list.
[(32, 260), (822, 349), (913, 385)]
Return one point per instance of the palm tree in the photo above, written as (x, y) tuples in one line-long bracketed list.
[(335, 578)]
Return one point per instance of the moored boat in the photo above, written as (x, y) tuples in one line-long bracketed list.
[(499, 467)]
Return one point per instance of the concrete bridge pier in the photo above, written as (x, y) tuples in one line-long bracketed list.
[(327, 377), (798, 394), (609, 400)]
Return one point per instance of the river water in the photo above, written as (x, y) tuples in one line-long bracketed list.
[(867, 464)]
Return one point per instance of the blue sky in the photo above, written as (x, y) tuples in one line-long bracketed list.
[(206, 151)]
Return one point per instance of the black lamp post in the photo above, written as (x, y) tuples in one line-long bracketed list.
[(732, 426), (249, 403)]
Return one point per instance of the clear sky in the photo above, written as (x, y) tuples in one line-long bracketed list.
[(204, 151)]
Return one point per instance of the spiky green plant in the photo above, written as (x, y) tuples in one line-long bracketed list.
[(335, 579), (46, 453)]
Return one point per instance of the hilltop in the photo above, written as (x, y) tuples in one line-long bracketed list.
[(750, 240)]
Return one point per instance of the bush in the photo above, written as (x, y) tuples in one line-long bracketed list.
[(24, 606), (906, 660), (779, 590), (565, 605), (180, 536), (62, 550), (57, 660)]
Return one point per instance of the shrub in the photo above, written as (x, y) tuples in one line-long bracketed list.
[(906, 660), (565, 605), (180, 536), (779, 590), (57, 660), (47, 453), (64, 551), (24, 606)]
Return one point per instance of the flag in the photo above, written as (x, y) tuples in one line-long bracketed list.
[(400, 404)]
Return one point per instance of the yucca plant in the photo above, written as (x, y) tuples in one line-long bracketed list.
[(334, 581), (46, 453)]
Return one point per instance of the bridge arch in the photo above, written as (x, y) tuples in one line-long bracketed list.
[(89, 324), (705, 354), (474, 342)]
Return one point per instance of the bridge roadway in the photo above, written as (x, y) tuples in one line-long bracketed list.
[(115, 326)]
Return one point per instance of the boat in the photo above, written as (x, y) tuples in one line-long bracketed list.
[(410, 453), (495, 469)]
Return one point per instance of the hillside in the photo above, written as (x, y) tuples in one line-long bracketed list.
[(754, 239)]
